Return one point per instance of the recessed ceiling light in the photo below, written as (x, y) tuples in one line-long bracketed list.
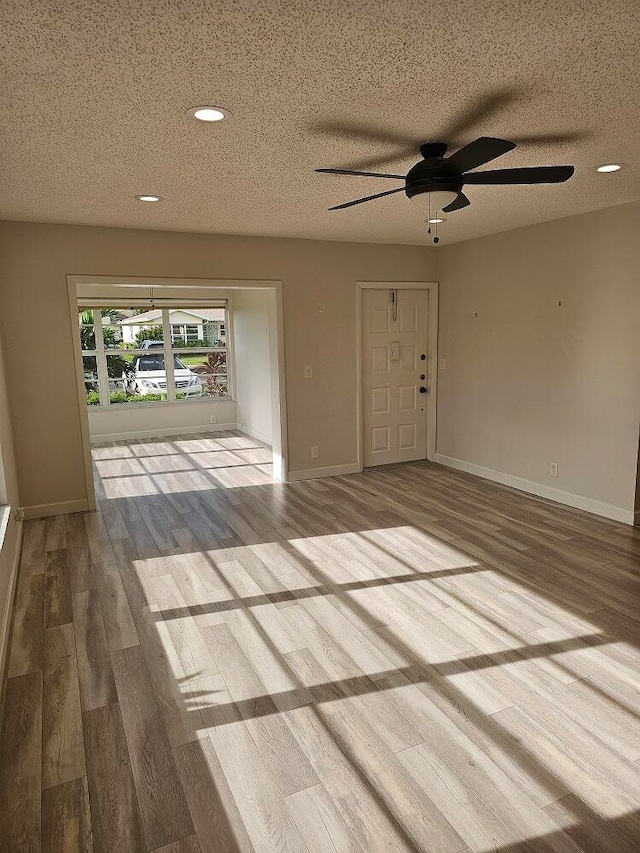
[(209, 113), (609, 167), (149, 197), (434, 221)]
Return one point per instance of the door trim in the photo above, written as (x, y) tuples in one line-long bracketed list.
[(432, 358)]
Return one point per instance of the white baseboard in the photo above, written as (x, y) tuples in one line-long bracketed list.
[(617, 513), (316, 473), (253, 433), (62, 508), (5, 625), (159, 433)]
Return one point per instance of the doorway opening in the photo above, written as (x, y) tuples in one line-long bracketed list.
[(172, 368), (397, 326)]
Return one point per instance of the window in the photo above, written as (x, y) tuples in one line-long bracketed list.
[(191, 334), (127, 358)]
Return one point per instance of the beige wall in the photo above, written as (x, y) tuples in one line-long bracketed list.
[(529, 381), (147, 419), (253, 362), (319, 329)]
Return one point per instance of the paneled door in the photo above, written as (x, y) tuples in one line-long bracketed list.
[(394, 375)]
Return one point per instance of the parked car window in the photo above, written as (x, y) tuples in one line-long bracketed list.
[(156, 362)]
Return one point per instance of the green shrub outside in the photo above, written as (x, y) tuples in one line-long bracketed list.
[(93, 397), (123, 397), (149, 333), (118, 397)]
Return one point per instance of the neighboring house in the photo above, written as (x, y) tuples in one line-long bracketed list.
[(188, 325)]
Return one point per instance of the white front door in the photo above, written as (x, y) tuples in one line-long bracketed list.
[(394, 370)]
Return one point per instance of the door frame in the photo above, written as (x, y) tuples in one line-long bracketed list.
[(279, 416), (432, 358)]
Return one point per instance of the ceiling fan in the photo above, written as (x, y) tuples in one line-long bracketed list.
[(436, 182)]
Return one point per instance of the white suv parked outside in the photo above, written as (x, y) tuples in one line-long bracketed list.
[(148, 376)]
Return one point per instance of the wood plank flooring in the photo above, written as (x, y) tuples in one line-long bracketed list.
[(410, 659)]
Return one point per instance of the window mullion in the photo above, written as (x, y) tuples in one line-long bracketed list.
[(168, 355), (101, 358)]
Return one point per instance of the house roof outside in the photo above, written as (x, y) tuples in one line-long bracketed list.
[(203, 314)]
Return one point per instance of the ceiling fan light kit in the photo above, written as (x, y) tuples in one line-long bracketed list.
[(436, 182), (432, 199)]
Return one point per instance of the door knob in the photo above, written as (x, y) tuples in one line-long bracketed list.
[(423, 390)]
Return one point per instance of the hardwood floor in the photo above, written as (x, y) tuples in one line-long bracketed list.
[(409, 659)]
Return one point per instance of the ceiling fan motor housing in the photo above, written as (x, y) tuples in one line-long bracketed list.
[(427, 177)]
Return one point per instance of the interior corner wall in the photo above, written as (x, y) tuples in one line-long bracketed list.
[(540, 332), (10, 542), (253, 362), (9, 484), (636, 514), (319, 304)]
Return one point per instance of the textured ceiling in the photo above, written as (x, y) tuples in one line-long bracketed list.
[(94, 92)]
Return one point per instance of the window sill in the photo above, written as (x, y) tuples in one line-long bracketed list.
[(121, 407)]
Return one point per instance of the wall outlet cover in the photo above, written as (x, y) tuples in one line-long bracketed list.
[(214, 419)]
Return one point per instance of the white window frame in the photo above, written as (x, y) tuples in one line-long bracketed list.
[(169, 351), (179, 335)]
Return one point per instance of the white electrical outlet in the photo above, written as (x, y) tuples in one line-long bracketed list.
[(213, 420), (553, 469), (315, 452), (308, 372)]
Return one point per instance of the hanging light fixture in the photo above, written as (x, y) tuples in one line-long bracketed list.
[(429, 200)]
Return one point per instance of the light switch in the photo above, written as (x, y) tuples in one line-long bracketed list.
[(308, 372), (443, 364)]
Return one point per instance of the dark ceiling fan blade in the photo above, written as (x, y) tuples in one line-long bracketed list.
[(475, 154), (457, 204), (550, 138), (479, 110), (388, 158), (366, 198), (354, 172), (404, 146), (351, 130), (531, 175)]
